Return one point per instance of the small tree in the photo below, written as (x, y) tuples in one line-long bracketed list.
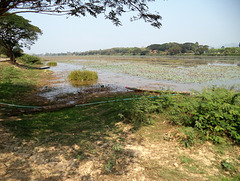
[(16, 32)]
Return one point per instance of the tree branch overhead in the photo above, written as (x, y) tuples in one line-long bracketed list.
[(112, 9)]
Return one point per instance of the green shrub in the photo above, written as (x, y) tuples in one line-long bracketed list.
[(29, 59), (227, 166), (138, 112), (82, 75), (189, 138), (51, 64), (215, 112)]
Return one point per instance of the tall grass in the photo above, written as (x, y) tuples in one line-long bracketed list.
[(51, 64), (82, 75)]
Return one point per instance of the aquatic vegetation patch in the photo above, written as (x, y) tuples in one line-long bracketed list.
[(51, 64), (82, 75), (194, 74)]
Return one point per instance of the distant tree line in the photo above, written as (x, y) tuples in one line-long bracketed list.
[(154, 49), (160, 49), (228, 51), (178, 48), (117, 51)]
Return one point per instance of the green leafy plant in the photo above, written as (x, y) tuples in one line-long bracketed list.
[(189, 139), (215, 112), (138, 112), (109, 165), (228, 166), (218, 114), (212, 115)]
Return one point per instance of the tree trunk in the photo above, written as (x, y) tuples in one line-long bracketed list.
[(12, 56)]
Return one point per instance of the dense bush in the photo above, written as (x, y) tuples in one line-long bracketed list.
[(29, 59), (82, 75), (138, 112), (215, 113)]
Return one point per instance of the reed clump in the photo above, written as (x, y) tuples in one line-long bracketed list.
[(82, 75), (52, 64)]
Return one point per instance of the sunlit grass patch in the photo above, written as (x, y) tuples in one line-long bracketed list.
[(16, 83), (52, 64), (186, 159), (155, 171)]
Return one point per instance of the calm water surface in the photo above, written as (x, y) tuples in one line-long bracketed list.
[(118, 81)]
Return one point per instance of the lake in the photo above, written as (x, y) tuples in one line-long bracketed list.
[(152, 73)]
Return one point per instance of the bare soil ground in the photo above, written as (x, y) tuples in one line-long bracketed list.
[(152, 153)]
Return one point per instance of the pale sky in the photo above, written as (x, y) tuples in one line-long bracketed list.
[(209, 22)]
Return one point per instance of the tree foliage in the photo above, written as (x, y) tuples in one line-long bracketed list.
[(229, 51), (171, 48), (160, 49), (112, 10), (16, 32), (176, 48)]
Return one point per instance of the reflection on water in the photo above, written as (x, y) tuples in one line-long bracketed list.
[(116, 82), (224, 64), (82, 83)]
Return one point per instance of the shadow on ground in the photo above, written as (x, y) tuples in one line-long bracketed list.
[(69, 143)]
